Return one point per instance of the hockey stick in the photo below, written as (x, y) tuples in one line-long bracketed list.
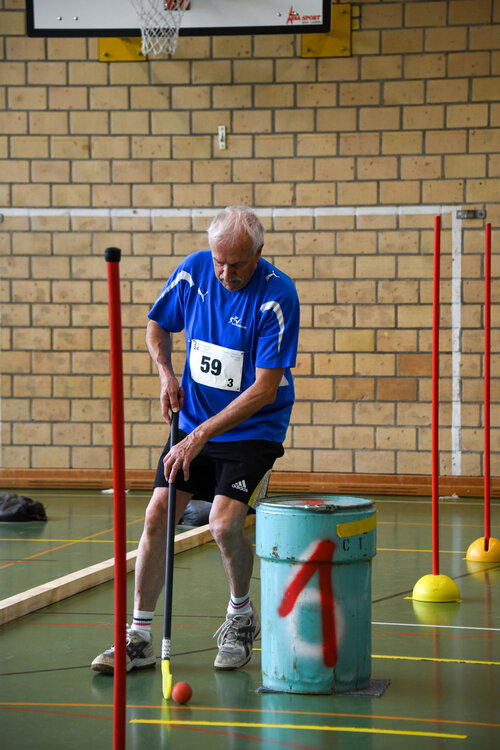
[(169, 577)]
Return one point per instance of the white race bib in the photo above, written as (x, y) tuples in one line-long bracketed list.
[(216, 366)]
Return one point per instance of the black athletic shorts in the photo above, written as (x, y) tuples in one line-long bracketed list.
[(238, 469)]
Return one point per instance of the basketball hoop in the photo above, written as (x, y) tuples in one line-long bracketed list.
[(160, 21)]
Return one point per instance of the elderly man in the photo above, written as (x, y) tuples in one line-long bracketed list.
[(240, 315)]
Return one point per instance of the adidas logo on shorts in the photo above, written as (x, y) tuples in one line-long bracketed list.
[(240, 486)]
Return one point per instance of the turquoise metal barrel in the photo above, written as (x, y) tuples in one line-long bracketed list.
[(315, 564)]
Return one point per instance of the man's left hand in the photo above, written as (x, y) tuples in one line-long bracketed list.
[(180, 457)]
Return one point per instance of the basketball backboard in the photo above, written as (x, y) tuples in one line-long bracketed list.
[(118, 18)]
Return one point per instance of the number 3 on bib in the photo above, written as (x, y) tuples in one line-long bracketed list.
[(216, 366)]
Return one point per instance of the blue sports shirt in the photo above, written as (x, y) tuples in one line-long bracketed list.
[(228, 334)]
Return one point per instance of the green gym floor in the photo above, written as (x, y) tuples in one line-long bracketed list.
[(443, 662)]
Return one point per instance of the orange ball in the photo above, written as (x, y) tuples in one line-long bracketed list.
[(182, 692)]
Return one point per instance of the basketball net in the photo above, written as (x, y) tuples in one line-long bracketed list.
[(160, 21)]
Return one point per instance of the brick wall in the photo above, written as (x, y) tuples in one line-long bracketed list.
[(347, 160)]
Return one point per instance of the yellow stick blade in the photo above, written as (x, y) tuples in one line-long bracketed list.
[(166, 679)]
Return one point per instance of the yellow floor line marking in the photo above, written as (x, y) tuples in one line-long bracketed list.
[(66, 544), (428, 658), (161, 707), (444, 551), (71, 541), (396, 549), (432, 658), (56, 705), (337, 714), (307, 727)]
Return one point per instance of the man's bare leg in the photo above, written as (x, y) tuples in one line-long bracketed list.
[(150, 563), (236, 635), (227, 524), (149, 580)]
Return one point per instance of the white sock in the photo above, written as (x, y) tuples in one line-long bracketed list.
[(142, 623), (239, 605)]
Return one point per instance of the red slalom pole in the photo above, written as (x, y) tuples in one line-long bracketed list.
[(487, 547), (435, 587), (112, 255), (435, 397), (487, 351)]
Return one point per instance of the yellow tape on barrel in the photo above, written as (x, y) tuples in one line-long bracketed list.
[(352, 528)]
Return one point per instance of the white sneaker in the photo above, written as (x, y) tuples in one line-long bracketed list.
[(140, 654), (235, 640)]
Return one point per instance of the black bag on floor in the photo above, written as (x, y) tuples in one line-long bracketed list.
[(20, 508), (196, 513)]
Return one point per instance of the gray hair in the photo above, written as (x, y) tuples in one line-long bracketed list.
[(233, 218)]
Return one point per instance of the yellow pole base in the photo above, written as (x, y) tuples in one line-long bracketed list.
[(477, 552), (436, 588)]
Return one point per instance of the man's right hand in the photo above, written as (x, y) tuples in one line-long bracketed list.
[(159, 343), (171, 397)]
